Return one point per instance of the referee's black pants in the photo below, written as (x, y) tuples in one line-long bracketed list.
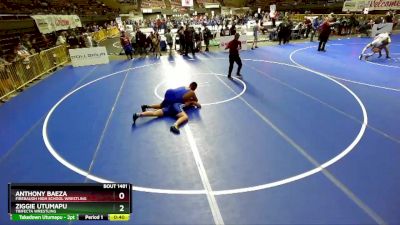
[(234, 58)]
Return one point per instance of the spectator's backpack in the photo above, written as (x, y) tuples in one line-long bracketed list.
[(163, 46)]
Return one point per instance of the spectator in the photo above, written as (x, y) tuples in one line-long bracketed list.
[(149, 42), (133, 42), (315, 25), (378, 20), (273, 15), (283, 32), (389, 17), (88, 40), (46, 41), (35, 45), (363, 28), (141, 42), (256, 30), (81, 40), (189, 40), (225, 32), (61, 39), (3, 63), (341, 25), (156, 39), (6, 82), (199, 38), (22, 54), (182, 44), (72, 40), (353, 23), (308, 24), (168, 37), (233, 29), (207, 37), (27, 43), (126, 45), (289, 30)]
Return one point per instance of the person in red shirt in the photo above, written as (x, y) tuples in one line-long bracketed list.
[(234, 46), (325, 31), (126, 45)]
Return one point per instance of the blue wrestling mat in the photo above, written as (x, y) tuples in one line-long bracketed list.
[(306, 137)]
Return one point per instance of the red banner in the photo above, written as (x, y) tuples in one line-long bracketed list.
[(384, 4)]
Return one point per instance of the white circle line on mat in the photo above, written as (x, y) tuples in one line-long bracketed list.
[(82, 172)]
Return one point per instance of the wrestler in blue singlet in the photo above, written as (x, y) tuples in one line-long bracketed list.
[(174, 95), (173, 101)]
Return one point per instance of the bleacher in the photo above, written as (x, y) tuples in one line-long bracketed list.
[(202, 3), (14, 6), (175, 4), (80, 7), (8, 42), (262, 4), (153, 4)]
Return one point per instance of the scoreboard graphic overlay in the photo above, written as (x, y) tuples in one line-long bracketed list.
[(68, 202)]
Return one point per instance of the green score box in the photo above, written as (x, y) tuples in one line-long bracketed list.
[(69, 217), (44, 217)]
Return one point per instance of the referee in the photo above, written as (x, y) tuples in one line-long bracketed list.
[(234, 46)]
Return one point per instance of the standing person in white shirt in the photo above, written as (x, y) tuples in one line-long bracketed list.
[(61, 39), (256, 30), (272, 15), (168, 37), (88, 40)]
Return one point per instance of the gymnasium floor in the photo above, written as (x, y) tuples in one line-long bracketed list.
[(306, 138)]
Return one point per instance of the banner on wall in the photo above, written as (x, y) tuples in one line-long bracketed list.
[(226, 39), (88, 56), (44, 24), (360, 5), (383, 5), (187, 3), (225, 10), (272, 8), (354, 5), (50, 23)]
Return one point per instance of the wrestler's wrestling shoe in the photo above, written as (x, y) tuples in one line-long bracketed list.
[(135, 117), (174, 130)]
